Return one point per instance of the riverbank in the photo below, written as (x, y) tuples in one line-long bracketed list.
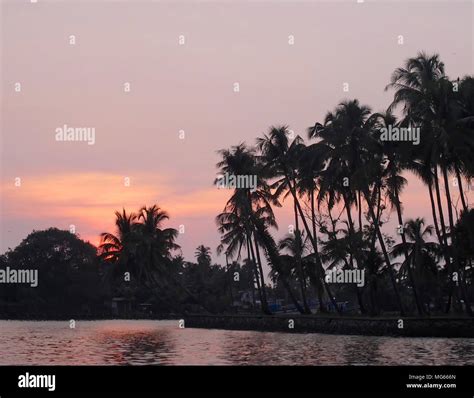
[(296, 323), (389, 326)]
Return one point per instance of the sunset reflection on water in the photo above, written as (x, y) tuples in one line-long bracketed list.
[(144, 342)]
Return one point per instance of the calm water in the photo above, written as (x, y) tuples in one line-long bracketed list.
[(162, 342)]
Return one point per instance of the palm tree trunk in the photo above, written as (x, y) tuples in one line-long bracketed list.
[(299, 268), (314, 244), (293, 298), (379, 202), (265, 308), (433, 211), (444, 241), (257, 266), (461, 191), (462, 286), (375, 308), (316, 281), (273, 257), (419, 306), (255, 271), (355, 251), (229, 271), (384, 251), (440, 209), (396, 200), (263, 303), (318, 289)]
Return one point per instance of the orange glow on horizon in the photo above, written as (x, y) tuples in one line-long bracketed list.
[(89, 200)]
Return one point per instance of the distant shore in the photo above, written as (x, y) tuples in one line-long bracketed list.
[(295, 323), (383, 326)]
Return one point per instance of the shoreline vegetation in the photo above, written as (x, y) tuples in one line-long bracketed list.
[(367, 326), (342, 186), (443, 327)]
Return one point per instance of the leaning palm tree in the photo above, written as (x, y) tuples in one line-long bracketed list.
[(281, 186), (277, 261), (354, 164), (276, 152), (334, 184), (395, 163), (309, 168), (232, 230), (244, 206)]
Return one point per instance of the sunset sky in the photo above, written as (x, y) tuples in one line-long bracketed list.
[(187, 87)]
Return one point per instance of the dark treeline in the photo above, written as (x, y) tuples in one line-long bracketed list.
[(343, 184), (132, 274), (345, 181)]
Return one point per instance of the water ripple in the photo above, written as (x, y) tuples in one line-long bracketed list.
[(118, 342)]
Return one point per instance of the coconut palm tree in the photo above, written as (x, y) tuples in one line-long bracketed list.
[(354, 165), (274, 258), (277, 155), (234, 231), (413, 84), (248, 203), (155, 244), (144, 249), (334, 187), (431, 104), (310, 165), (120, 248), (203, 255), (395, 163), (282, 188)]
